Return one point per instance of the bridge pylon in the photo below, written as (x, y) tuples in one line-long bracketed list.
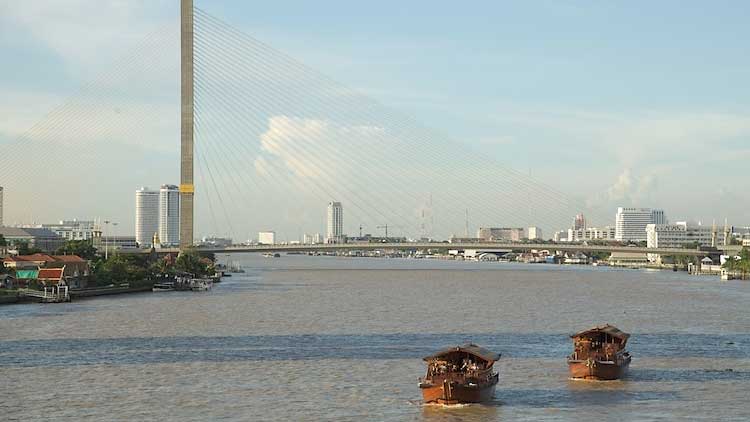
[(187, 122)]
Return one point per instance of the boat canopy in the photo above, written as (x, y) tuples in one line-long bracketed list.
[(469, 348), (606, 329)]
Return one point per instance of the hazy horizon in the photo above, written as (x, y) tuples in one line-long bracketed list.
[(617, 104)]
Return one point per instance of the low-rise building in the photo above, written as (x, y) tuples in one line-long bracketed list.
[(495, 234), (73, 229), (591, 233), (681, 234), (34, 237)]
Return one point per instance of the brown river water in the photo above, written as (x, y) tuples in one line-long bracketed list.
[(341, 339)]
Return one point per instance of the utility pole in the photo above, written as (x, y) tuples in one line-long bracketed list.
[(386, 230)]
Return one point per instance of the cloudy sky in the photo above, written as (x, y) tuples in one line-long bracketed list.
[(615, 103)]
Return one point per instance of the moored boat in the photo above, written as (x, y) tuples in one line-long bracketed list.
[(461, 374), (599, 354)]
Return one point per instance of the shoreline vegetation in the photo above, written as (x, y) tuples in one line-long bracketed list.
[(117, 274), (122, 274)]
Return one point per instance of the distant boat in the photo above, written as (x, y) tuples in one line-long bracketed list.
[(599, 354), (233, 268), (461, 374)]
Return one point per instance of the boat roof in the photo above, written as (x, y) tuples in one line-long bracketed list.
[(606, 328), (469, 348)]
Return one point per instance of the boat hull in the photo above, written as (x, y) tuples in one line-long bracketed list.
[(597, 369), (456, 393)]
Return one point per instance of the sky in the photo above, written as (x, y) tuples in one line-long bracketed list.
[(622, 103)]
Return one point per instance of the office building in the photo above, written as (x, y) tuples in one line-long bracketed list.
[(534, 233), (591, 233), (495, 234), (312, 239), (34, 237), (335, 223), (169, 215), (73, 229), (579, 223), (146, 216), (267, 238), (680, 234), (630, 223)]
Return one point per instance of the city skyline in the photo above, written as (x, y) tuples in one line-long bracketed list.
[(553, 132)]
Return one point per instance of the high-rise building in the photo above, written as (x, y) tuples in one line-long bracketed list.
[(1, 206), (579, 223), (630, 223), (512, 234), (169, 215), (534, 233), (335, 223), (146, 216), (267, 238)]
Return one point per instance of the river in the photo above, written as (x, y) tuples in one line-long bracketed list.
[(339, 339)]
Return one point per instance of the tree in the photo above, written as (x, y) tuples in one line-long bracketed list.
[(83, 248), (121, 269), (191, 262), (3, 242), (741, 264), (24, 249)]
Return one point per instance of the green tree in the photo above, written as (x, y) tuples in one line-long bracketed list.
[(3, 242), (24, 249), (83, 248), (121, 269), (741, 265), (191, 262)]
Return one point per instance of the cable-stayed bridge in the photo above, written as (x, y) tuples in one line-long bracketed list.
[(479, 246), (266, 142)]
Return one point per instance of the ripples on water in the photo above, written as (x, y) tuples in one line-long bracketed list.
[(300, 338)]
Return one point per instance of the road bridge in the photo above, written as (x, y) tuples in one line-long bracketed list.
[(406, 246)]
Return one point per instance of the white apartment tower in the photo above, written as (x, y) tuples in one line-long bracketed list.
[(534, 233), (630, 223), (335, 223), (146, 216), (169, 215)]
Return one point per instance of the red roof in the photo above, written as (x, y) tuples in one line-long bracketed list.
[(40, 257), (51, 273), (37, 257), (68, 258)]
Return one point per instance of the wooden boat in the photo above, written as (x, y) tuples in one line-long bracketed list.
[(461, 374), (599, 354)]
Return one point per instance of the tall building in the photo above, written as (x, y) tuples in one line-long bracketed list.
[(335, 223), (1, 206), (169, 215), (267, 238), (146, 216), (630, 223), (579, 223), (534, 233), (512, 234)]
